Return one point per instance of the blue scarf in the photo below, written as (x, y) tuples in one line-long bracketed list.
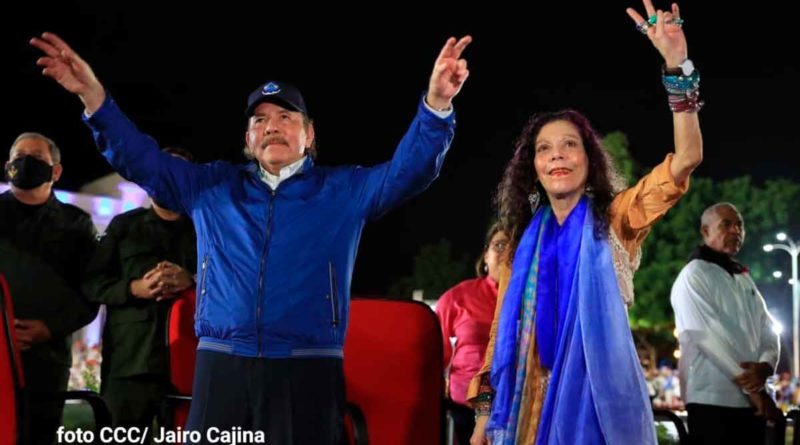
[(597, 393)]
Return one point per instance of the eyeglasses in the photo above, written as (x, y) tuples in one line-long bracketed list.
[(499, 246)]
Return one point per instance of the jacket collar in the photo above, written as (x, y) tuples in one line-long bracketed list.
[(722, 260)]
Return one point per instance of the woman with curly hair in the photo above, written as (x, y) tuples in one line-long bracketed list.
[(561, 366)]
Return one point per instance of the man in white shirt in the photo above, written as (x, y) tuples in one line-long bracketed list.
[(728, 347)]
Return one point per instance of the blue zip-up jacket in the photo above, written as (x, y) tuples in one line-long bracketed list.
[(274, 266)]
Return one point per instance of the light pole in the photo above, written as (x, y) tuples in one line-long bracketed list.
[(793, 249)]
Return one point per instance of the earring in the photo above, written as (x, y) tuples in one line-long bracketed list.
[(534, 199), (589, 191)]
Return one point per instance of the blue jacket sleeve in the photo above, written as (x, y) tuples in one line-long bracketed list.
[(172, 181), (415, 164)]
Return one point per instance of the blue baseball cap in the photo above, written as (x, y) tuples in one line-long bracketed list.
[(278, 93)]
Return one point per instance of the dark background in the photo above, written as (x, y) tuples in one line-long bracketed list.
[(182, 72)]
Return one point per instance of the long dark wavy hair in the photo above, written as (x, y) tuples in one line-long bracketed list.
[(519, 179)]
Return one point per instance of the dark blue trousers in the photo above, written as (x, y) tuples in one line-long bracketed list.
[(294, 401)]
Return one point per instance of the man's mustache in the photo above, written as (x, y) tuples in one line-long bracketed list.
[(274, 140)]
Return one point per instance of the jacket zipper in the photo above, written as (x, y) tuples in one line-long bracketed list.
[(262, 269), (265, 253)]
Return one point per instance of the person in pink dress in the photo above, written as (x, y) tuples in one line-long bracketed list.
[(465, 313)]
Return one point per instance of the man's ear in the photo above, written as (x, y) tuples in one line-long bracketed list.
[(309, 135), (57, 170)]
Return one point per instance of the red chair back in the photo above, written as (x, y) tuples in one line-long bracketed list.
[(182, 352), (12, 380), (393, 371)]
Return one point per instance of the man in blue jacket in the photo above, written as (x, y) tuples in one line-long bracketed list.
[(277, 240)]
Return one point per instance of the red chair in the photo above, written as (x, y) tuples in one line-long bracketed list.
[(182, 345), (13, 397), (393, 371), (12, 380)]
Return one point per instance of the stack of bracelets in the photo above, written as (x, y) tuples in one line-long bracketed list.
[(683, 92), (483, 402)]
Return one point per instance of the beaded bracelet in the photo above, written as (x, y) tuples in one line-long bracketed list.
[(677, 84), (483, 401), (483, 408), (689, 102), (683, 92)]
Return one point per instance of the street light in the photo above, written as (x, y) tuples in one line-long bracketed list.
[(793, 249)]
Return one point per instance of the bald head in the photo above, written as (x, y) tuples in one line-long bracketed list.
[(722, 227)]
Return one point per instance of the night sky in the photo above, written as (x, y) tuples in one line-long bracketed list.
[(183, 73)]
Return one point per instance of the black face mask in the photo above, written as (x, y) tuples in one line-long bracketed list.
[(27, 172)]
